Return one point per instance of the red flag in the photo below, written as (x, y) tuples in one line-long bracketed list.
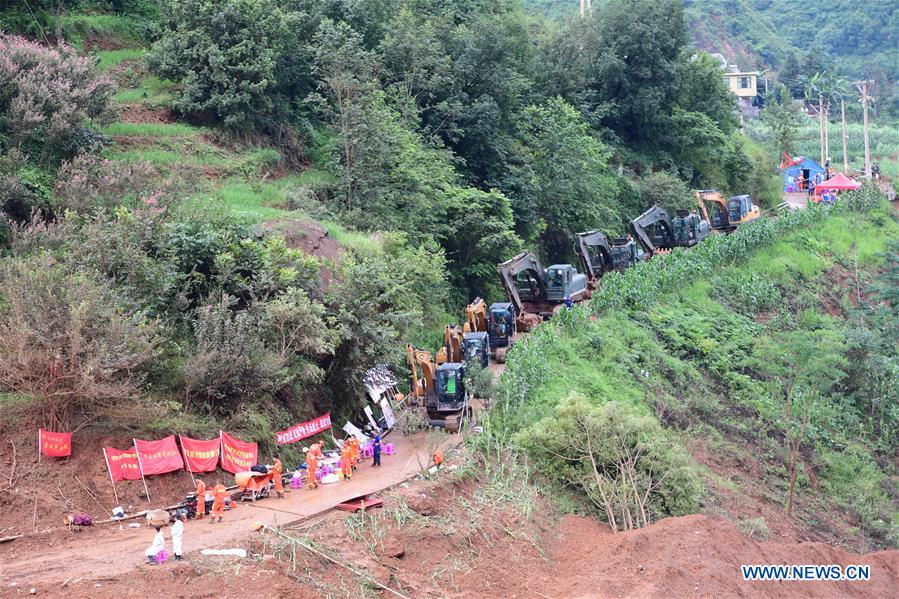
[(237, 455), (158, 457), (57, 445), (122, 464), (304, 429), (200, 456)]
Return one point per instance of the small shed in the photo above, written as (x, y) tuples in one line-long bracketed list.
[(800, 172)]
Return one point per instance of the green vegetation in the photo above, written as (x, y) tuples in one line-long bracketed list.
[(884, 139), (719, 340), (152, 129), (108, 59)]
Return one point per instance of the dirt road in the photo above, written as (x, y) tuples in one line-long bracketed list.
[(109, 550)]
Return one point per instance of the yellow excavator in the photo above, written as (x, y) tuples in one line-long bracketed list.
[(452, 345), (728, 214), (438, 388)]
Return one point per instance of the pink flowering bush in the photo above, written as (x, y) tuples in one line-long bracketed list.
[(86, 183), (49, 97)]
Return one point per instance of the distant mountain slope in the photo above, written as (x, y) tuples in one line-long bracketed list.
[(862, 38)]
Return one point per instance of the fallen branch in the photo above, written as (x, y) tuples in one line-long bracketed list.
[(12, 471), (94, 497), (334, 561)]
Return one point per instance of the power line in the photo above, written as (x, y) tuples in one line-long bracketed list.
[(38, 23)]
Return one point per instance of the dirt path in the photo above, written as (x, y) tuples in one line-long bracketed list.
[(109, 550)]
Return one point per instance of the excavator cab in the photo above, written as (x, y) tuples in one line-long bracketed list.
[(626, 253), (562, 280), (741, 209), (450, 394), (689, 228), (501, 324), (476, 348)]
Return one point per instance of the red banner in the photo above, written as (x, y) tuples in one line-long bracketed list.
[(237, 456), (158, 457), (304, 429), (200, 456), (57, 445), (122, 464)]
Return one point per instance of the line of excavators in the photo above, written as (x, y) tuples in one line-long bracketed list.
[(536, 293)]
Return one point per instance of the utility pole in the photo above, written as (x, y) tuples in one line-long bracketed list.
[(863, 88), (586, 8), (827, 132), (821, 126), (843, 119)]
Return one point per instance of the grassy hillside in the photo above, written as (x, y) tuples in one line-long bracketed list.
[(706, 350)]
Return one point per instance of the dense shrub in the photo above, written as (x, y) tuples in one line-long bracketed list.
[(631, 469), (224, 55), (231, 363), (86, 183), (70, 341), (48, 96)]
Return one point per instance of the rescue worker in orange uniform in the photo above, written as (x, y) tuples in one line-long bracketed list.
[(311, 467), (277, 469), (438, 457), (346, 460), (355, 449), (219, 493), (316, 450), (201, 499)]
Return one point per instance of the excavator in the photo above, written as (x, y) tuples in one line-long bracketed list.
[(599, 255), (475, 339), (488, 333), (658, 233), (595, 254), (536, 293), (728, 214), (440, 389), (626, 252), (452, 345)]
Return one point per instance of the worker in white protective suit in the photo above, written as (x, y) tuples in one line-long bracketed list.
[(178, 536), (158, 545)]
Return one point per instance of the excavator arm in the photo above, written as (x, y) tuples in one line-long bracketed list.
[(452, 345), (420, 360), (525, 262), (476, 317), (662, 234), (721, 219), (592, 243)]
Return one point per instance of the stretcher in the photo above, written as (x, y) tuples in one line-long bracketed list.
[(253, 485)]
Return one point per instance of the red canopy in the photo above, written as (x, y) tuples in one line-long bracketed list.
[(838, 181)]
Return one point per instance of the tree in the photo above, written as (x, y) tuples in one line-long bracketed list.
[(791, 76), (484, 232), (628, 466), (70, 341), (801, 366), (702, 89), (224, 54), (559, 181), (297, 330), (636, 69), (380, 297), (230, 364), (666, 190), (784, 118), (346, 74)]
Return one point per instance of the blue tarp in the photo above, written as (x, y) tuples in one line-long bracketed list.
[(808, 168)]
